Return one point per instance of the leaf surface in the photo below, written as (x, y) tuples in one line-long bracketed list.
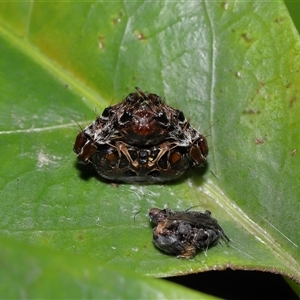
[(232, 67), (36, 272)]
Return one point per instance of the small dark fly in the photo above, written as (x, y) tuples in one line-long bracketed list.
[(184, 233)]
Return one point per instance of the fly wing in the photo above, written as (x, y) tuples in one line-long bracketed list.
[(194, 218)]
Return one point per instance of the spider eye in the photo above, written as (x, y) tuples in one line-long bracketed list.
[(126, 117), (162, 118), (181, 117), (106, 113)]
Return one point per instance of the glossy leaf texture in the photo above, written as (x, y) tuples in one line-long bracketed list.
[(232, 67), (32, 271)]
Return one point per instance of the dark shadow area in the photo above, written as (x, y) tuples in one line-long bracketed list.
[(236, 285), (86, 172), (193, 174)]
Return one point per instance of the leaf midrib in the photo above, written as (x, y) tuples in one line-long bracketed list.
[(236, 213)]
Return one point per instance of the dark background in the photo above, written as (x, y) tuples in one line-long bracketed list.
[(235, 285)]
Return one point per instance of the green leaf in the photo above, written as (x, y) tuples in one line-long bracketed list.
[(233, 67), (36, 273)]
